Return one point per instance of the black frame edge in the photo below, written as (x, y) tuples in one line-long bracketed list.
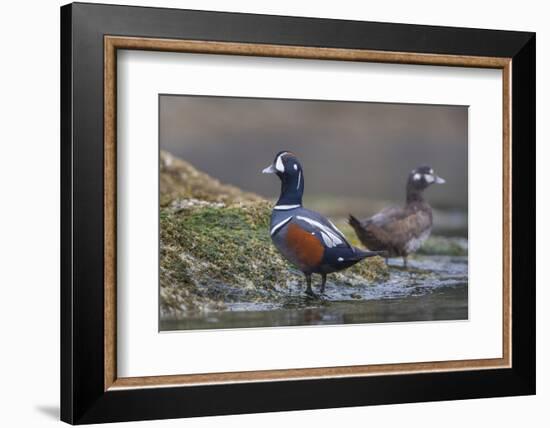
[(66, 315), (307, 31), (524, 213)]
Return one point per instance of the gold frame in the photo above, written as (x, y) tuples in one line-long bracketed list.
[(112, 43)]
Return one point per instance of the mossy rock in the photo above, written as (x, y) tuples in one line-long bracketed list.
[(212, 253), (180, 180)]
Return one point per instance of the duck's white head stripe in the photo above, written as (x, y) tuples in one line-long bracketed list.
[(299, 180), (278, 226), (279, 166), (332, 239), (416, 176), (429, 178)]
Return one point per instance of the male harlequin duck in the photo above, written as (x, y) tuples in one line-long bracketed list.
[(401, 230), (306, 238)]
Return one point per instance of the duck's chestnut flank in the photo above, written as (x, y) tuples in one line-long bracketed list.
[(308, 248)]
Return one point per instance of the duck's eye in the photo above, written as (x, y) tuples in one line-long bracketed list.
[(295, 167)]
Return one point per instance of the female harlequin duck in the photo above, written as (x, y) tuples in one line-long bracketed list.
[(306, 238), (401, 230)]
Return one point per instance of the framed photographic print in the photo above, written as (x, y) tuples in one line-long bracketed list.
[(265, 213)]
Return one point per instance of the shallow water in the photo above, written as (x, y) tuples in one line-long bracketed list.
[(434, 288)]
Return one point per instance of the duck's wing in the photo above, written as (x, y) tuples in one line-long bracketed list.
[(322, 227), (386, 216), (395, 226)]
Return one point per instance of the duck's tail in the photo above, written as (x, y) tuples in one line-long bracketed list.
[(354, 222)]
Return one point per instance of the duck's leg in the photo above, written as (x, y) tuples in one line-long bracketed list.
[(405, 261), (309, 291), (323, 282)]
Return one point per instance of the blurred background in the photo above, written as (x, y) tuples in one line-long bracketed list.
[(356, 155)]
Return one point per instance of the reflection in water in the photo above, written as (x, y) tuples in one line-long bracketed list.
[(448, 303), (436, 288)]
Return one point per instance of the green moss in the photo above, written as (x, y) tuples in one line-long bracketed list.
[(444, 246)]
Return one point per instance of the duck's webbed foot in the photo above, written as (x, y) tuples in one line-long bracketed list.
[(310, 293)]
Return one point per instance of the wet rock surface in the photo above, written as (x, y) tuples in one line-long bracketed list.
[(434, 288)]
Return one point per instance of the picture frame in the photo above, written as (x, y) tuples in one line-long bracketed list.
[(91, 391)]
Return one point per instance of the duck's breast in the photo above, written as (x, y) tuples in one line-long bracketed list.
[(416, 242)]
